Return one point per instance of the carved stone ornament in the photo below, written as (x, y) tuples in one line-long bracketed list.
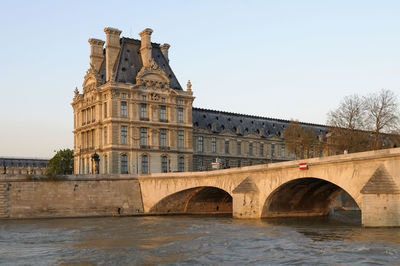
[(154, 97), (152, 76), (92, 77), (77, 96)]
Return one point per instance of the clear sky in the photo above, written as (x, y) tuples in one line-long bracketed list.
[(289, 59)]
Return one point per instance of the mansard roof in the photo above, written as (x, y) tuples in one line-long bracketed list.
[(129, 63), (245, 124)]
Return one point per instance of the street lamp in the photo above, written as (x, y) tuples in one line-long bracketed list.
[(96, 159)]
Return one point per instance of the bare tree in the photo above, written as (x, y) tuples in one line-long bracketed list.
[(301, 141), (382, 115), (346, 124), (292, 135), (350, 114)]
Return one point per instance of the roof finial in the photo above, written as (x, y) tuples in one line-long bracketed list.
[(189, 86)]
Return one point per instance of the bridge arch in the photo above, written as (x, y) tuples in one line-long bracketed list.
[(306, 196), (197, 200)]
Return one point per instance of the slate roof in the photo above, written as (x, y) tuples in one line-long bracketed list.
[(248, 123), (129, 63)]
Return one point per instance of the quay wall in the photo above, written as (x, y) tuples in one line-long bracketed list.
[(72, 196)]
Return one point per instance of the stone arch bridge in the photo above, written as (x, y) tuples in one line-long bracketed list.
[(372, 179)]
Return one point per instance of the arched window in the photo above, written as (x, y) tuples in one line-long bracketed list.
[(145, 163), (124, 164), (164, 164)]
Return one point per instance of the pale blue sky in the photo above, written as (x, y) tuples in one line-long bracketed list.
[(283, 59)]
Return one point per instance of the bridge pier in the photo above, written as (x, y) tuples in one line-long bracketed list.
[(380, 200), (380, 210), (246, 200)]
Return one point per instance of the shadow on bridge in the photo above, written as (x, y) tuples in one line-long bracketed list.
[(307, 197), (199, 200)]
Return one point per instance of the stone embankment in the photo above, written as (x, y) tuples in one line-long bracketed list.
[(3, 200), (69, 196)]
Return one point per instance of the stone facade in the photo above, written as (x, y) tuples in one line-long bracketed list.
[(132, 111), (238, 140)]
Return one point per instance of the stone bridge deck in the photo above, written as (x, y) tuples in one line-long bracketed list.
[(372, 179)]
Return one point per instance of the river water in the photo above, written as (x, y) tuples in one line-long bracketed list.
[(188, 240)]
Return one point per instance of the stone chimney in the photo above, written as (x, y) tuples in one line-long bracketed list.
[(112, 50), (145, 48), (96, 53), (164, 50)]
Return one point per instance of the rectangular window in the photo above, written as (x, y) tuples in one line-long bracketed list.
[(164, 164), (105, 164), (93, 113), (123, 95), (180, 114), (105, 135), (123, 109), (272, 150), (239, 147), (143, 136), (105, 110), (283, 151), (179, 101), (163, 137), (83, 117), (200, 143), (163, 113), (181, 138), (261, 149), (181, 164), (124, 134), (250, 148), (227, 146), (143, 113), (124, 164), (87, 116), (87, 139), (92, 138), (213, 145), (145, 163)]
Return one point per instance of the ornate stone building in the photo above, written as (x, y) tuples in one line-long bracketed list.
[(132, 112), (136, 117), (239, 140)]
